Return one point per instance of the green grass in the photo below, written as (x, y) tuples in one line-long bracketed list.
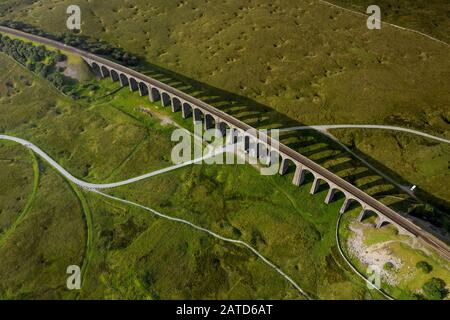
[(419, 161), (88, 250), (430, 17), (138, 256), (132, 255), (50, 238), (281, 221), (110, 245), (410, 279), (19, 183), (278, 64), (79, 138), (28, 204), (387, 233), (301, 59)]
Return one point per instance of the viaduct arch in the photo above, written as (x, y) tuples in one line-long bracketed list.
[(302, 164), (289, 159)]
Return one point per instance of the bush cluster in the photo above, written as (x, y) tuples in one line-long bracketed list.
[(78, 41), (36, 58)]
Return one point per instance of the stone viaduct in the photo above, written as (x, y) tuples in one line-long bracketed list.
[(212, 117)]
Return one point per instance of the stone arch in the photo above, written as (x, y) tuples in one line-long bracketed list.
[(209, 121), (104, 71), (186, 111), (246, 142), (263, 153), (287, 165), (143, 89), (223, 128), (165, 99), (176, 104), (333, 194), (114, 75), (96, 69), (240, 138), (267, 155), (303, 175), (154, 94), (350, 202), (382, 222), (133, 84), (251, 145), (367, 213), (198, 115), (274, 156), (232, 135), (123, 80), (316, 186)]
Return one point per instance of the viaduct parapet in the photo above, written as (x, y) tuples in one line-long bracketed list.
[(212, 117)]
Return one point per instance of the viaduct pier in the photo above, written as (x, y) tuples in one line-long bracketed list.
[(211, 117)]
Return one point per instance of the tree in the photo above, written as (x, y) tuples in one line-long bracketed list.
[(44, 71), (389, 266), (60, 57), (435, 289), (424, 266), (37, 67)]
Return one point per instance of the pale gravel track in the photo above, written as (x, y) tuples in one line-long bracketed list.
[(369, 284), (88, 185), (324, 130), (215, 235), (387, 23), (93, 188), (367, 126)]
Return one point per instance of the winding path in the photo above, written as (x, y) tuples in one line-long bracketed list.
[(93, 188), (244, 129), (324, 129), (341, 251), (385, 22), (367, 126), (215, 235)]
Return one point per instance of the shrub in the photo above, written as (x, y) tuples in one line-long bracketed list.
[(434, 289), (389, 266), (424, 266)]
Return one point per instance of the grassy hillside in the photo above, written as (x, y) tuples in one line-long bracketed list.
[(110, 236), (427, 16), (16, 174), (306, 60), (120, 241), (285, 63), (105, 137), (36, 255), (386, 245), (78, 137), (138, 256)]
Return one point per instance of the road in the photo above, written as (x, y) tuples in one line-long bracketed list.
[(215, 235), (366, 126), (324, 129), (369, 283), (388, 23), (362, 197), (94, 188)]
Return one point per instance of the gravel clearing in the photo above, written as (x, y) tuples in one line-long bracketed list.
[(376, 255)]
